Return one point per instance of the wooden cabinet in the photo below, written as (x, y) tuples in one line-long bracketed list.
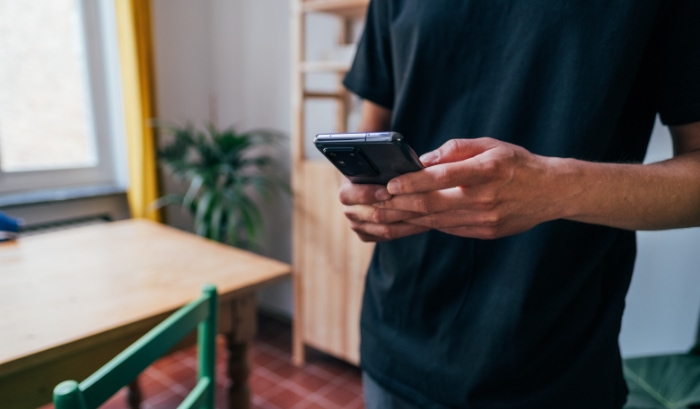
[(330, 262)]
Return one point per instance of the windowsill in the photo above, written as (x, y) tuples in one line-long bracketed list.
[(58, 195)]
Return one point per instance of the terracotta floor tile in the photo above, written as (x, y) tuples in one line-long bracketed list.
[(323, 383), (341, 396), (260, 384), (260, 357), (118, 401), (285, 398), (166, 399), (184, 376), (312, 405), (309, 381), (286, 370)]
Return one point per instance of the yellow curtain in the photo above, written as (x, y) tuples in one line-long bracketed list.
[(135, 49)]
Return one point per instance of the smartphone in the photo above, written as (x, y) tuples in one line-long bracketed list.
[(369, 158)]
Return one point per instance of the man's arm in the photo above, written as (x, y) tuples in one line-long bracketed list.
[(657, 196), (373, 117), (487, 188)]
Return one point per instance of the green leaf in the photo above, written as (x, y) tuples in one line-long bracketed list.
[(167, 200), (664, 382), (253, 219), (201, 227), (216, 219), (195, 185)]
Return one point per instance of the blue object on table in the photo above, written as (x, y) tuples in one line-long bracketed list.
[(9, 227)]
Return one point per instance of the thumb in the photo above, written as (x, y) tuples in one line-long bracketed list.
[(457, 149)]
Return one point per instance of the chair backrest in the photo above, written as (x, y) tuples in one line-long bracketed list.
[(123, 369)]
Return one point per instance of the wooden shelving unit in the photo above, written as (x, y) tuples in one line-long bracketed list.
[(323, 66), (344, 8), (329, 260)]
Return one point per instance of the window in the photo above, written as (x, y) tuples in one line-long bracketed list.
[(59, 95)]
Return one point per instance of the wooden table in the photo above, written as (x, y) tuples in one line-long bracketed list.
[(71, 300)]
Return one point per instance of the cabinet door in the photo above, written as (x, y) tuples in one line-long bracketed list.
[(331, 262)]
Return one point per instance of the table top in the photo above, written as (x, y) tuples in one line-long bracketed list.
[(58, 288)]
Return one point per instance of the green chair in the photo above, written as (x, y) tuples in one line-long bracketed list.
[(125, 367)]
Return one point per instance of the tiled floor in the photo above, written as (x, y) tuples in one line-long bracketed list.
[(323, 383)]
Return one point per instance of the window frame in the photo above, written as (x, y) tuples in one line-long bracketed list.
[(105, 113)]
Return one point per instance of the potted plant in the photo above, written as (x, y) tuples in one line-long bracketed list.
[(667, 381), (226, 172)]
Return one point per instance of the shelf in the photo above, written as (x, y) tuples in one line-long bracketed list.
[(347, 8), (324, 95), (324, 66)]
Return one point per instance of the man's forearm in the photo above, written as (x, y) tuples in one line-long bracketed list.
[(656, 196)]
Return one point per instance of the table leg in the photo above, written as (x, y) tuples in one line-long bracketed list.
[(239, 322), (133, 394), (238, 371)]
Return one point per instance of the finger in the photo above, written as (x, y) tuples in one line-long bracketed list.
[(372, 214), (456, 198), (474, 232), (354, 194), (367, 238), (456, 163), (384, 232), (457, 219), (474, 225), (469, 172), (477, 224), (457, 149)]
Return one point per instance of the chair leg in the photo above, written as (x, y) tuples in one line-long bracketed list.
[(133, 394)]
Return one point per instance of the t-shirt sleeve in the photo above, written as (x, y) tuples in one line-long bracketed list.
[(680, 73), (371, 75)]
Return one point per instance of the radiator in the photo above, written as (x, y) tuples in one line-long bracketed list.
[(32, 230)]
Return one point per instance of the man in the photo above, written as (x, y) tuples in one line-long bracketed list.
[(500, 272)]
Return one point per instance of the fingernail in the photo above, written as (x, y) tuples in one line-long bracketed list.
[(392, 187), (428, 157), (382, 194)]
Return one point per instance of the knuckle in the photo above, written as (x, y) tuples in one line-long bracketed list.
[(487, 200), (491, 220), (442, 176), (491, 168), (377, 216), (385, 232), (454, 144), (423, 205), (387, 204), (492, 224)]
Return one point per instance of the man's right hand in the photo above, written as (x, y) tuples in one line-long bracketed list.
[(371, 223)]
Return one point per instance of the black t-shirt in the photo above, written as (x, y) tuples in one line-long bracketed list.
[(530, 320)]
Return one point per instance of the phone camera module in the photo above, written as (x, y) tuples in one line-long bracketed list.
[(350, 162)]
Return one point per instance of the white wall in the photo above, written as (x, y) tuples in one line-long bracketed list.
[(664, 299), (228, 60)]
